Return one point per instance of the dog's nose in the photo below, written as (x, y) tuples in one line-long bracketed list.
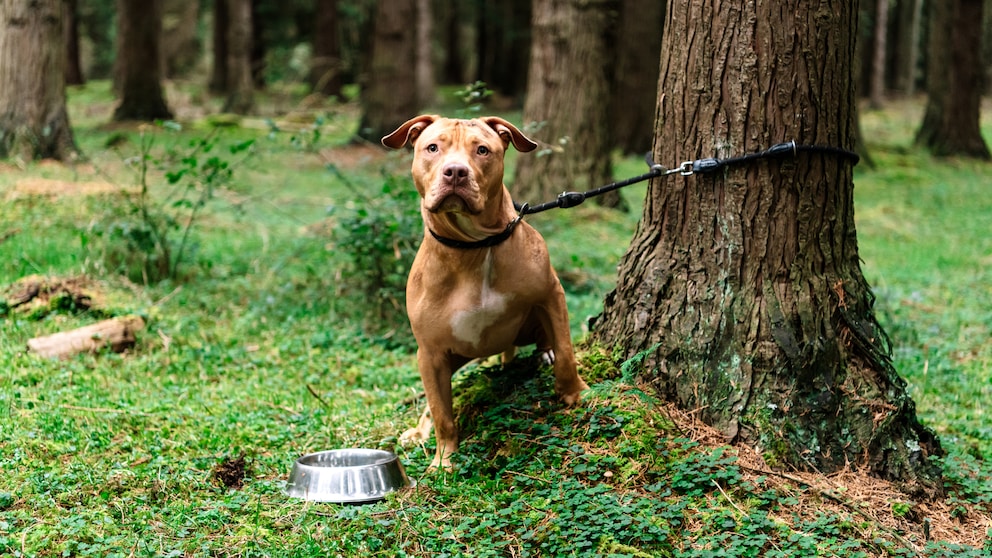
[(455, 173)]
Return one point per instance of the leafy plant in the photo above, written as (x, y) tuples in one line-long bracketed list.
[(379, 236), (148, 234)]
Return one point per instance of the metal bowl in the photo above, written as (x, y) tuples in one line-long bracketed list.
[(347, 476)]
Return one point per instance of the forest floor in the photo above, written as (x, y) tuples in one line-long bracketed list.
[(280, 332)]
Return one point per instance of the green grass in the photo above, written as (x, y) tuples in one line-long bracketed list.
[(264, 348)]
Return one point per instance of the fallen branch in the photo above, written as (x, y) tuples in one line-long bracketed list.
[(117, 334)]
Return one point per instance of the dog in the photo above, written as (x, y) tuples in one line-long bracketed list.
[(482, 282)]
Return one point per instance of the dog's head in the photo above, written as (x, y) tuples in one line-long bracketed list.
[(458, 164)]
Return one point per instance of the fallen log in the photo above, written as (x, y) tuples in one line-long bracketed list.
[(117, 334)]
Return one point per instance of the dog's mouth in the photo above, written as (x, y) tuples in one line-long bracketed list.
[(452, 203)]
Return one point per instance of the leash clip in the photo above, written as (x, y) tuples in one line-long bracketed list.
[(685, 169)]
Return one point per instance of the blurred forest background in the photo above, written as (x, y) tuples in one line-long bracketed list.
[(399, 52)]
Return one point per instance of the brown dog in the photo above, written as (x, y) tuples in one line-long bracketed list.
[(482, 283)]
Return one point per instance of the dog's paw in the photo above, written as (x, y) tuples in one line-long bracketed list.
[(572, 395), (420, 433), (548, 357)]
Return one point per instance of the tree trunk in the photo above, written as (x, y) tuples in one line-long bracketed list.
[(636, 86), (73, 69), (325, 68), (34, 123), (240, 84), (503, 42), (954, 81), (425, 53), (388, 97), (218, 71), (180, 40), (568, 93), (257, 46), (906, 54), (139, 27), (743, 287), (876, 94)]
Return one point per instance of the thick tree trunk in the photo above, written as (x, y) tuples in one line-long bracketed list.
[(240, 85), (325, 69), (218, 70), (70, 27), (388, 96), (954, 81), (139, 26), (34, 123), (568, 96), (635, 88), (744, 286)]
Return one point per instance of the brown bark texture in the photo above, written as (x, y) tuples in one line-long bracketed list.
[(70, 29), (636, 84), (34, 123), (954, 81), (389, 94), (218, 70), (139, 64), (240, 83), (568, 98), (742, 288), (325, 69)]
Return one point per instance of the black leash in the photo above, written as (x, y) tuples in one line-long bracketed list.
[(707, 165), (687, 168)]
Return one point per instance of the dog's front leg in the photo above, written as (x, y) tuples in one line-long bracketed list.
[(568, 384), (435, 373)]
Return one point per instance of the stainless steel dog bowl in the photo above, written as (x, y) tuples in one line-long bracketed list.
[(347, 476)]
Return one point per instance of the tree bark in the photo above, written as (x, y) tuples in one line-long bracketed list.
[(180, 39), (503, 42), (240, 84), (424, 73), (954, 81), (73, 69), (568, 95), (876, 94), (325, 69), (218, 71), (743, 287), (139, 64), (388, 96), (636, 85), (34, 123)]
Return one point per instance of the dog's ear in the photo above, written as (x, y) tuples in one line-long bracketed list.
[(408, 131), (510, 134)]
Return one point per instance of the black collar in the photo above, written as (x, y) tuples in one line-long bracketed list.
[(487, 242)]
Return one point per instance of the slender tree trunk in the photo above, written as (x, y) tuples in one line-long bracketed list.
[(73, 69), (325, 69), (139, 73), (907, 50), (425, 63), (218, 71), (636, 84), (568, 96), (180, 40), (34, 123), (241, 87), (954, 81), (743, 287), (388, 96), (257, 46), (877, 92)]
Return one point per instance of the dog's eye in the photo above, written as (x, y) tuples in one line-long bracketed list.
[(482, 150), (432, 148)]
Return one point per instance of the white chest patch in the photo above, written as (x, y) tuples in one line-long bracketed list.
[(468, 324)]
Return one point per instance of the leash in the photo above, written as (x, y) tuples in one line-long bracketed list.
[(706, 165)]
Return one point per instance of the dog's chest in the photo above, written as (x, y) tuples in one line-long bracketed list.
[(481, 308)]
